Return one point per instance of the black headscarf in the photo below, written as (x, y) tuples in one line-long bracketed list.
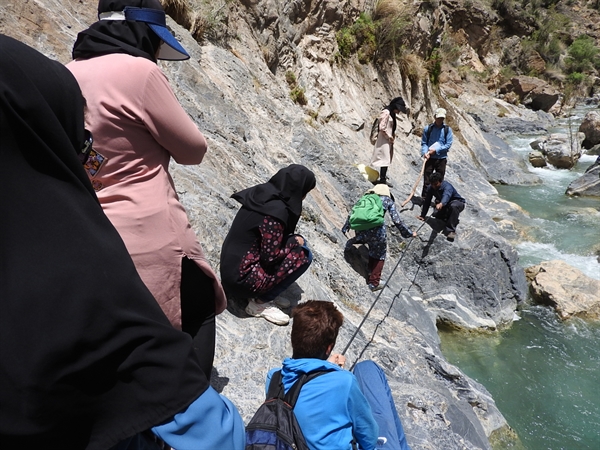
[(281, 196), (118, 36), (87, 357), (397, 103)]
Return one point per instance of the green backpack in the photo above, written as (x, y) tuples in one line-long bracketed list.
[(367, 213)]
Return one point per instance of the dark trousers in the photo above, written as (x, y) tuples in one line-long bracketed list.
[(449, 214), (198, 312), (383, 174), (433, 165)]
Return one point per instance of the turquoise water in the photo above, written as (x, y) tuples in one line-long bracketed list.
[(545, 374)]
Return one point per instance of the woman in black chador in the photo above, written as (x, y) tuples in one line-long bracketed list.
[(261, 255)]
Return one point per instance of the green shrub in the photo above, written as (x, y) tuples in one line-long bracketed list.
[(434, 66), (358, 38), (346, 42), (576, 78), (297, 95), (290, 77), (583, 55)]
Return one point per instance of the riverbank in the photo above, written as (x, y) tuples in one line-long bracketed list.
[(542, 372)]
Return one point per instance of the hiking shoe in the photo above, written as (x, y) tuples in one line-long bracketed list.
[(282, 302), (375, 288), (451, 236), (267, 311)]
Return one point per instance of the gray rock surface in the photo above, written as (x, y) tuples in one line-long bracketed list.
[(588, 184)]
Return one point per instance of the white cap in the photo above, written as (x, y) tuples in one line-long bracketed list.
[(440, 112)]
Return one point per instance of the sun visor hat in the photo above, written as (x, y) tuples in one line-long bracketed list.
[(170, 49)]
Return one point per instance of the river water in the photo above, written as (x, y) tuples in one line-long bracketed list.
[(544, 374)]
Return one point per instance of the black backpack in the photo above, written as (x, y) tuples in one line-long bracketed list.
[(274, 425)]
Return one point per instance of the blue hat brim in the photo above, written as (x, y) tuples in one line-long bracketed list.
[(171, 49)]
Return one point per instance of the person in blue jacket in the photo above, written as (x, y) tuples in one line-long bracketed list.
[(331, 409), (448, 206), (436, 141)]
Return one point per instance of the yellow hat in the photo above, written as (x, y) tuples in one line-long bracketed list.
[(380, 189)]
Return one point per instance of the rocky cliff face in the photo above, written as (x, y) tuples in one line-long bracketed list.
[(239, 98)]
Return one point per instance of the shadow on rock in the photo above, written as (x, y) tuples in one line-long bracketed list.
[(218, 383), (358, 258), (437, 226)]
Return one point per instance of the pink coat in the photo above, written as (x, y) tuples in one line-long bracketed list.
[(138, 125), (383, 152)]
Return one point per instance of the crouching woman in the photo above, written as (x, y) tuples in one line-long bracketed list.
[(261, 255)]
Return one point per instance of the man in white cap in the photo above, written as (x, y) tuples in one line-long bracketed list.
[(435, 143)]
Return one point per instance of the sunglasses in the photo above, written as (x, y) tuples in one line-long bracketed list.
[(84, 153)]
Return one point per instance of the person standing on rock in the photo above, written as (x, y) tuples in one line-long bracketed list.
[(376, 239), (383, 152), (138, 125), (448, 205), (436, 141), (261, 255)]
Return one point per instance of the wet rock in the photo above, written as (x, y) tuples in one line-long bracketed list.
[(566, 289), (595, 150), (559, 149), (536, 158), (588, 184), (590, 127)]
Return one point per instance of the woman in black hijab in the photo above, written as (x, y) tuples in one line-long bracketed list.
[(383, 152), (87, 357), (261, 255)]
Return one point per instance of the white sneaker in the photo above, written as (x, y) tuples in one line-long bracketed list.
[(268, 312), (282, 302)]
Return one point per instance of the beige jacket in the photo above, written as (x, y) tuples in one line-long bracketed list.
[(383, 151)]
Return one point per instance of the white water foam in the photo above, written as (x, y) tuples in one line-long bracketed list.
[(535, 253), (588, 159)]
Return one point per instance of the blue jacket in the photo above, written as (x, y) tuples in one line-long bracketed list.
[(437, 135), (330, 408), (211, 421), (445, 195)]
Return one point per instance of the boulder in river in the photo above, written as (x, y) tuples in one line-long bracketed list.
[(536, 158), (560, 149), (588, 184), (569, 291), (590, 126)]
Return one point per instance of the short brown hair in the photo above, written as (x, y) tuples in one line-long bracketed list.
[(315, 327)]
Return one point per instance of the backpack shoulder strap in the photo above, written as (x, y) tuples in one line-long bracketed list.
[(275, 386), (429, 131), (292, 395)]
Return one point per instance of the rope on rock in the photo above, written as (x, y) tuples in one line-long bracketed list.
[(379, 295)]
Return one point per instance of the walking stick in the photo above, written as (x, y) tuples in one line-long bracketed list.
[(416, 184)]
